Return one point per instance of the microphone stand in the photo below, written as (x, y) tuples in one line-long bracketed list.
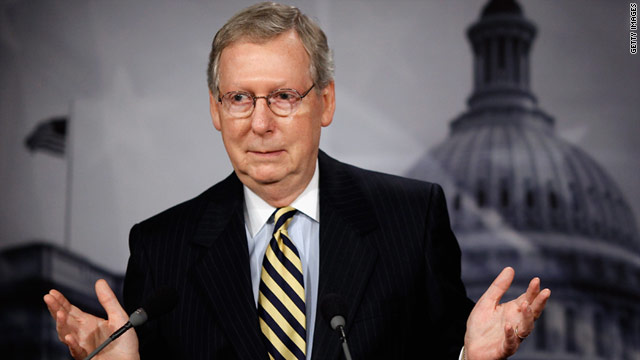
[(343, 339)]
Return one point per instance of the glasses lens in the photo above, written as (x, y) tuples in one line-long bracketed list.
[(284, 102), (238, 103)]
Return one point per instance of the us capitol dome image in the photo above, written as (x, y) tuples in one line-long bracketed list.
[(519, 195)]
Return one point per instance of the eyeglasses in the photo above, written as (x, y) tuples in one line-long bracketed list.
[(282, 102)]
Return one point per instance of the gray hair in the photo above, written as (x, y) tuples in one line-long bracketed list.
[(264, 21)]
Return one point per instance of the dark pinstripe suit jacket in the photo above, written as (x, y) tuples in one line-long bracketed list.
[(385, 246)]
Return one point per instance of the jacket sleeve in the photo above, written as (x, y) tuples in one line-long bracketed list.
[(139, 284), (449, 305)]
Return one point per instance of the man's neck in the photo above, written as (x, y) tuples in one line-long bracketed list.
[(257, 211), (278, 195)]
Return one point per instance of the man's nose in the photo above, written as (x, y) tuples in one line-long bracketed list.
[(262, 120)]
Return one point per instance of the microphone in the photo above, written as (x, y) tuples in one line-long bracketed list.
[(333, 309), (162, 301)]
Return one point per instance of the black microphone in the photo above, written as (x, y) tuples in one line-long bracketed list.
[(333, 309), (162, 301)]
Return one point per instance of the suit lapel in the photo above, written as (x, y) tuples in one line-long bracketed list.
[(346, 257), (223, 269)]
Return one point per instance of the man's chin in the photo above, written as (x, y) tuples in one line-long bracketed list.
[(265, 177)]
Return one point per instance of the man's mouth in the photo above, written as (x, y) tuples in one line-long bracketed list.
[(266, 153)]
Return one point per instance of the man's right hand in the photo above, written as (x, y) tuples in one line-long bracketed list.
[(83, 332)]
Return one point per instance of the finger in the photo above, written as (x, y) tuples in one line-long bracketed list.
[(52, 305), (61, 325), (109, 301), (64, 303), (59, 303), (77, 352), (538, 304), (499, 286), (69, 321), (527, 323), (533, 290), (55, 302), (511, 341)]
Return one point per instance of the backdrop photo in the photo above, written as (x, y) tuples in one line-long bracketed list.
[(525, 111)]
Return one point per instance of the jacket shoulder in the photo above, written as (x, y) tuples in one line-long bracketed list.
[(377, 184), (188, 213)]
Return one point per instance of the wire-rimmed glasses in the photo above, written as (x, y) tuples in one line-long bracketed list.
[(282, 102)]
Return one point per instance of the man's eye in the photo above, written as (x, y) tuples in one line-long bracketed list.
[(285, 96), (240, 98)]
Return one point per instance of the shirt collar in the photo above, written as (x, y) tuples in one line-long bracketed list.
[(258, 211)]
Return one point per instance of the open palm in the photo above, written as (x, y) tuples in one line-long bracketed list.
[(494, 330), (83, 332)]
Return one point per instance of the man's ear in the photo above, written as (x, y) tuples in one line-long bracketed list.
[(329, 103), (215, 111)]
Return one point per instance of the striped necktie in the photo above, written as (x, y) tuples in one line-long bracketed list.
[(281, 306)]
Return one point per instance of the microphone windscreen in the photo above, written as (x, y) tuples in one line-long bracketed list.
[(162, 301), (333, 305)]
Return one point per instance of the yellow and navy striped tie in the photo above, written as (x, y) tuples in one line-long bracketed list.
[(281, 306)]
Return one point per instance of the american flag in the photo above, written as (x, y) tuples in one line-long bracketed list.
[(49, 136)]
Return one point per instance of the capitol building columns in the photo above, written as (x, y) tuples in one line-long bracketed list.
[(521, 196)]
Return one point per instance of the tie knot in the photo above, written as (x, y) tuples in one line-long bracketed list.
[(282, 218)]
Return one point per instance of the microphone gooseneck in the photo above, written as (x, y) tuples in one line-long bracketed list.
[(162, 301), (333, 309)]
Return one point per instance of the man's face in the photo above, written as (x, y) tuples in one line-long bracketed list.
[(268, 151)]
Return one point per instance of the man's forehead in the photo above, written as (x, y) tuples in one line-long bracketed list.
[(291, 37), (283, 56)]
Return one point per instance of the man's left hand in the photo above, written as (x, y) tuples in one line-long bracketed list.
[(494, 330)]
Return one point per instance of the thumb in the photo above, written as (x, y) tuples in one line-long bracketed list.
[(499, 286), (109, 302)]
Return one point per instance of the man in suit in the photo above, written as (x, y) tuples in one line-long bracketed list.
[(253, 257)]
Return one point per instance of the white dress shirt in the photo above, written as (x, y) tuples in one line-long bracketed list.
[(304, 231)]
